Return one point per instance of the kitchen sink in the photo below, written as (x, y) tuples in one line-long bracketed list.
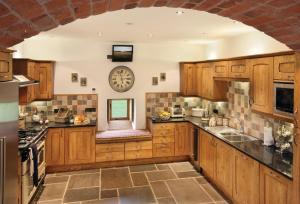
[(235, 137)]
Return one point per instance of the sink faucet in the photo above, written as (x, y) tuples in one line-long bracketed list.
[(241, 129)]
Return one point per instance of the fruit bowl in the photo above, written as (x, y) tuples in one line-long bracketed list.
[(164, 115)]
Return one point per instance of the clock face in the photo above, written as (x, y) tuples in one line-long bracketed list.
[(121, 79)]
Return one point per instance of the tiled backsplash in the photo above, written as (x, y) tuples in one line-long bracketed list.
[(237, 109), (79, 104)]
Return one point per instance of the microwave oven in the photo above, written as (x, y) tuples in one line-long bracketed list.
[(284, 99)]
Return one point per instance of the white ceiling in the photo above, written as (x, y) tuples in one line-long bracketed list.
[(152, 25)]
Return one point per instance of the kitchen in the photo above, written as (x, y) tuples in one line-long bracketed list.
[(230, 103)]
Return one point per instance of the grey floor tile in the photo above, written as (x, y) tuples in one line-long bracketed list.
[(84, 180), (56, 179), (212, 192), (89, 171), (146, 167), (115, 178), (182, 166), (82, 194), (50, 202), (103, 201), (136, 195), (160, 189), (166, 200), (139, 179), (201, 180), (53, 192), (109, 193), (160, 175), (187, 191), (187, 174), (163, 166)]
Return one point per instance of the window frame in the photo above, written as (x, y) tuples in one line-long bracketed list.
[(110, 118)]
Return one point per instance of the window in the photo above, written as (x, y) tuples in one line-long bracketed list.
[(119, 109)]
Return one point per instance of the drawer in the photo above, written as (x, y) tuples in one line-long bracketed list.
[(163, 139), (163, 129), (111, 147), (163, 150), (138, 154), (129, 146), (109, 156)]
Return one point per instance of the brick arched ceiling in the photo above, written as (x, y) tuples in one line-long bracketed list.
[(20, 19)]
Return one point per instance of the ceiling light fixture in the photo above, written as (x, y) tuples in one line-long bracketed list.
[(179, 12), (129, 23), (150, 35), (100, 34)]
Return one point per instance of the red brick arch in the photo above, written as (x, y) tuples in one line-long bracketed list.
[(20, 19)]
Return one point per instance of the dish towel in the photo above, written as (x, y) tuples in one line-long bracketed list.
[(33, 153)]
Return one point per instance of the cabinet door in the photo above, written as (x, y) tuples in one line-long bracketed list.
[(182, 139), (80, 145), (208, 154), (207, 81), (238, 69), (274, 188), (5, 66), (284, 67), (245, 179), (46, 80), (198, 79), (33, 72), (261, 84), (220, 69), (224, 167), (55, 147), (188, 83)]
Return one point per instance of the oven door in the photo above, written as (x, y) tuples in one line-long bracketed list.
[(41, 158), (284, 99)]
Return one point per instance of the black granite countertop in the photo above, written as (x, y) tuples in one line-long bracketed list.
[(255, 149), (60, 125)]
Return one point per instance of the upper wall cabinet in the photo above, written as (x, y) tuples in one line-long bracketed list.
[(6, 65), (237, 69), (220, 69), (188, 79), (261, 81), (284, 67), (42, 71)]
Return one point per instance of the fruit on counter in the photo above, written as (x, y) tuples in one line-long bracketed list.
[(164, 115)]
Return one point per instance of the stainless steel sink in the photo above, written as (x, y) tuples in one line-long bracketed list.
[(235, 137)]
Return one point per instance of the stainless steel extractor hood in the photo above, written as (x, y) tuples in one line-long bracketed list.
[(25, 80)]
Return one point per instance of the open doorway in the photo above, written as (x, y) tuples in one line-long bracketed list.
[(120, 114)]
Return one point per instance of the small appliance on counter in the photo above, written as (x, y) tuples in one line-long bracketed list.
[(198, 112), (177, 112), (62, 115), (268, 135)]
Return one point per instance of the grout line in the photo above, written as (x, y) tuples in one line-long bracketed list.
[(151, 188), (168, 187), (203, 189), (130, 176), (66, 189)]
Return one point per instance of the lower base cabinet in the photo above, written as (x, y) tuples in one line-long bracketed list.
[(245, 179), (110, 152), (274, 188), (55, 147), (138, 150)]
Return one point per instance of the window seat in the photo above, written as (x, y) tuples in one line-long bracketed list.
[(113, 136)]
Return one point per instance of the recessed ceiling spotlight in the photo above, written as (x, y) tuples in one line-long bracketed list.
[(100, 34), (129, 23), (179, 12), (235, 22), (150, 35)]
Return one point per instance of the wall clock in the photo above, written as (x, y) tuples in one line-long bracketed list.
[(121, 79)]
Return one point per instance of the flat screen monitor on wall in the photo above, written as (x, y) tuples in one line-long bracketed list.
[(122, 53)]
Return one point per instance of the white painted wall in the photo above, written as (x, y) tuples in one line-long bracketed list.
[(88, 59), (251, 43)]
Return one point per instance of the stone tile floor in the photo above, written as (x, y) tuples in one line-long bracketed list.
[(154, 183)]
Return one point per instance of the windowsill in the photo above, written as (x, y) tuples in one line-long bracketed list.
[(119, 125)]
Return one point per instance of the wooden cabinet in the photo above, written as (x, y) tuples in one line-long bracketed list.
[(245, 179), (188, 80), (6, 65), (261, 82), (199, 79), (138, 150), (79, 145), (55, 147), (182, 139), (208, 154), (274, 188), (220, 69), (163, 139), (42, 71), (224, 167), (110, 152), (237, 69), (46, 78), (284, 67)]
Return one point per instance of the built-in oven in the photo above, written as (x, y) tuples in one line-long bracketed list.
[(284, 98), (28, 187)]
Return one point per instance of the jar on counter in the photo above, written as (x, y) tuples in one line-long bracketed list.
[(225, 122), (219, 121)]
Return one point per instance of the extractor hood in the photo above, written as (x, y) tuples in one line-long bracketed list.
[(25, 80)]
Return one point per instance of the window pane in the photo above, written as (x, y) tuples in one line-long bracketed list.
[(119, 108)]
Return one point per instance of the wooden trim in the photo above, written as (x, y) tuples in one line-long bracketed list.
[(243, 57), (28, 59), (52, 169)]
